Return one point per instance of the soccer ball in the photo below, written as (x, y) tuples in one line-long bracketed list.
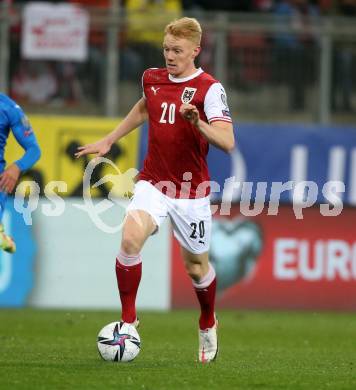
[(118, 342)]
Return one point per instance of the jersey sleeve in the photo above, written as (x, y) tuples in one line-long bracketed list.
[(215, 104), (25, 136)]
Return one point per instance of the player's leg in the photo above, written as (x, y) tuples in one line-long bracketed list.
[(145, 213), (138, 226), (204, 282), (6, 242), (191, 220)]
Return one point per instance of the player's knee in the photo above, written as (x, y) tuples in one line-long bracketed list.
[(131, 244), (194, 271)]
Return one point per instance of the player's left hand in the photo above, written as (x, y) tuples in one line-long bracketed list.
[(9, 178), (190, 113)]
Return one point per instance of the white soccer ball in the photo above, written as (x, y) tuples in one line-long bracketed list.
[(118, 342)]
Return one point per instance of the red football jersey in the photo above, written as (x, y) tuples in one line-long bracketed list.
[(174, 145)]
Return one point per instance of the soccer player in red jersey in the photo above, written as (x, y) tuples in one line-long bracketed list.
[(187, 110)]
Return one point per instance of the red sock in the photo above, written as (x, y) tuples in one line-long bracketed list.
[(205, 291), (128, 279)]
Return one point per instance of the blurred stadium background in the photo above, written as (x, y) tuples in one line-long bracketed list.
[(289, 68)]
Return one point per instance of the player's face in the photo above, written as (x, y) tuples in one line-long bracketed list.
[(179, 54)]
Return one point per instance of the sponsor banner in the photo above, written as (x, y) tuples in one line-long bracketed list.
[(74, 263), (59, 138), (55, 32), (16, 270), (283, 153), (278, 262)]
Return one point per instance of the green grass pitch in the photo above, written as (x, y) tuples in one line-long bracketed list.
[(258, 350)]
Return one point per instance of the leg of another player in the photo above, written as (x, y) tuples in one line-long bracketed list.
[(204, 282), (6, 242), (138, 226)]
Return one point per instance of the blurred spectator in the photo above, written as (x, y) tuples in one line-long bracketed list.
[(92, 3), (23, 2), (342, 75), (263, 5), (249, 59), (294, 54), (325, 6), (347, 7), (221, 5), (69, 86), (146, 20), (34, 82)]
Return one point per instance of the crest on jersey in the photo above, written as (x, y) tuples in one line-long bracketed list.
[(223, 99), (25, 122), (188, 94)]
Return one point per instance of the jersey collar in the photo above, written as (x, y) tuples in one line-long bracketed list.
[(184, 79)]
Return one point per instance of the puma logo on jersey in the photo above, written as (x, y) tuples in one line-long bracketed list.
[(155, 90)]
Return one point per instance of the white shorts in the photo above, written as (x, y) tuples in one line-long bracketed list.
[(191, 218)]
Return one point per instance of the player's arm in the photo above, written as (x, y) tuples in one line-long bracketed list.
[(218, 133), (135, 118), (25, 136)]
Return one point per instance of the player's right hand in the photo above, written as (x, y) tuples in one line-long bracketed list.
[(100, 148), (9, 178), (190, 113)]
